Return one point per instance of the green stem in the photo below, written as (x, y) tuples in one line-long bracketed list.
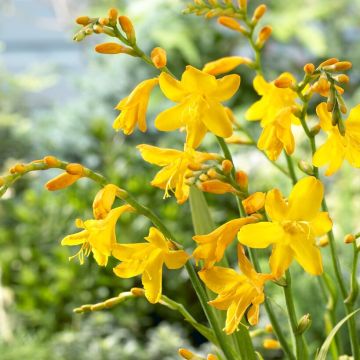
[(300, 346), (291, 168)]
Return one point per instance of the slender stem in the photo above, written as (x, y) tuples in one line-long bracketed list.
[(291, 168), (300, 346)]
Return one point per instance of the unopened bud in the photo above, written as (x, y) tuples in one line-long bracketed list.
[(74, 169), (203, 177), (137, 291), (328, 62), (323, 241), (242, 179), (104, 21), (212, 173), (83, 20), (258, 13), (264, 35), (212, 357), (187, 354), (88, 31), (215, 187), (231, 24), (304, 324), (269, 328), (305, 167), (309, 68), (315, 130), (51, 161), (112, 48), (79, 36), (227, 166), (342, 78), (128, 28), (62, 181), (283, 82), (158, 57), (271, 344), (98, 29), (242, 4), (349, 238), (254, 202), (339, 66), (112, 15), (19, 168)]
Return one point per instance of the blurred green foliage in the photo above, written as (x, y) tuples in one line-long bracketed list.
[(45, 286)]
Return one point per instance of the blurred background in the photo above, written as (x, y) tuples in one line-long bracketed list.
[(57, 97)]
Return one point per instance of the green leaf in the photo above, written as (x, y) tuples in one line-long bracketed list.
[(326, 345)]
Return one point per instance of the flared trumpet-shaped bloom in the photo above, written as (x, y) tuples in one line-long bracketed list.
[(199, 95), (337, 147), (133, 108), (177, 165), (97, 237), (104, 200), (148, 259), (275, 111), (236, 292), (293, 227), (211, 247)]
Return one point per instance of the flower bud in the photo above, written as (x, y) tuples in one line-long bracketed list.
[(263, 36), (330, 61), (315, 130), (137, 291), (269, 328), (74, 169), (341, 65), (283, 82), (19, 168), (112, 15), (98, 29), (215, 187), (349, 238), (104, 21), (212, 357), (323, 241), (203, 177), (112, 48), (79, 36), (309, 68), (83, 20), (254, 202), (212, 173), (231, 24), (188, 355), (158, 57), (342, 78), (304, 324), (51, 161), (305, 167), (258, 13), (62, 181), (242, 179), (227, 166), (242, 4), (128, 28), (271, 344)]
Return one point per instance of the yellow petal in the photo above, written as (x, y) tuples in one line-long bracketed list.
[(224, 64), (194, 80), (215, 118), (158, 156), (275, 205), (152, 277), (324, 116), (280, 259), (104, 200), (171, 87), (322, 224), (253, 314), (307, 254), (256, 111), (195, 132), (129, 269), (157, 239), (260, 235), (173, 118), (226, 87), (124, 252), (260, 85), (75, 239), (175, 259), (305, 199), (100, 258), (244, 263)]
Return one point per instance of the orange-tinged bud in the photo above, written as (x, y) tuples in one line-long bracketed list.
[(158, 57), (104, 200), (323, 241), (216, 187), (339, 66), (349, 238), (212, 173), (242, 4), (309, 68), (271, 344), (83, 20), (330, 61), (212, 357), (339, 89), (62, 181), (264, 35), (231, 24), (259, 13), (19, 168), (283, 82), (75, 169), (242, 179), (104, 21), (51, 161), (186, 354), (254, 202), (203, 177), (342, 78), (138, 291), (128, 28), (111, 48), (112, 15), (227, 166), (269, 328)]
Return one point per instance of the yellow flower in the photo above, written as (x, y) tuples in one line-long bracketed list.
[(104, 200), (225, 64), (133, 108), (236, 292), (211, 247), (97, 237), (147, 259), (199, 96), (177, 166), (275, 110), (338, 148), (293, 228)]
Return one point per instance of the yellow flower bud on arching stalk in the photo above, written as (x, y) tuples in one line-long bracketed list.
[(225, 64), (104, 200), (231, 24), (158, 57), (188, 355), (75, 169), (242, 179), (216, 187), (113, 48), (309, 69), (258, 13), (83, 20), (349, 238), (128, 28), (271, 344), (51, 161), (254, 202), (112, 15), (264, 35), (62, 181)]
